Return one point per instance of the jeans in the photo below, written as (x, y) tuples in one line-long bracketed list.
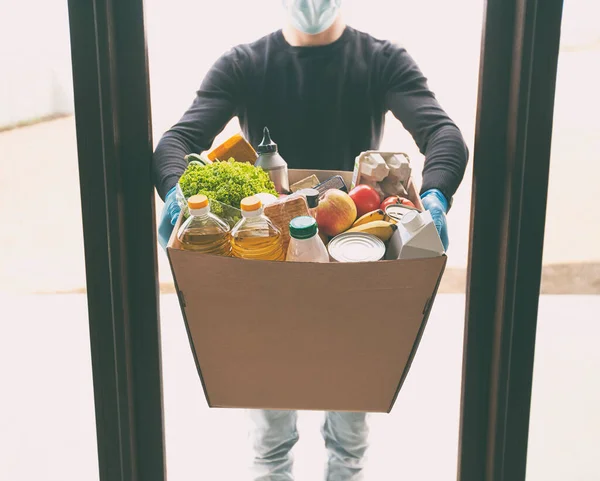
[(275, 435)]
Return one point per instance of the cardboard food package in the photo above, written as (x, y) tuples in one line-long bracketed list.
[(389, 173), (303, 336)]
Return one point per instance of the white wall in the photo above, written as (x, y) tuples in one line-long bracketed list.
[(35, 60)]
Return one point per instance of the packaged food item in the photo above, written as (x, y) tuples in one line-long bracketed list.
[(272, 163), (283, 211), (266, 198), (312, 200), (255, 236), (305, 244), (307, 183), (203, 231), (416, 238), (396, 211), (335, 182), (236, 147), (389, 173), (372, 167), (356, 247)]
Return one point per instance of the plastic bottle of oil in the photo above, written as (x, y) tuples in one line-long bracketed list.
[(203, 231), (255, 236)]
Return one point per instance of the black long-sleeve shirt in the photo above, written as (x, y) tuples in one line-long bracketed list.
[(324, 105)]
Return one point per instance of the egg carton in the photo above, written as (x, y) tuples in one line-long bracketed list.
[(389, 173)]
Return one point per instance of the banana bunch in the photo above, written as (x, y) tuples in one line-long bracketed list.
[(372, 217), (374, 223)]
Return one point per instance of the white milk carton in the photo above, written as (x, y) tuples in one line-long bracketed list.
[(416, 238)]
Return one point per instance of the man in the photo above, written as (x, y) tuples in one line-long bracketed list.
[(323, 89)]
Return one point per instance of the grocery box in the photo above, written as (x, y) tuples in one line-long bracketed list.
[(304, 336)]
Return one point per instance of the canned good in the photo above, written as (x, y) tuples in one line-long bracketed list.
[(397, 211), (356, 247)]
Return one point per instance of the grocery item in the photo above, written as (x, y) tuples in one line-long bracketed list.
[(335, 182), (283, 211), (198, 159), (396, 199), (236, 147), (336, 212), (399, 166), (226, 182), (365, 198), (395, 212), (312, 200), (305, 244), (370, 217), (392, 186), (373, 167), (379, 228), (255, 236), (307, 183), (272, 163), (356, 247), (416, 238), (389, 173), (203, 231), (266, 198)]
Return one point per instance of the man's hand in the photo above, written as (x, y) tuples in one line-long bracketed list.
[(436, 203), (168, 218)]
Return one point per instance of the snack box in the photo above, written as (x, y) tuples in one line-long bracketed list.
[(303, 336)]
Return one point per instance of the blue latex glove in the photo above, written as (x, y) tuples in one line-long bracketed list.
[(436, 203), (168, 218)]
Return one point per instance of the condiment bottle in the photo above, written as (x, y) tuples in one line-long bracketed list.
[(203, 231), (305, 244), (271, 162), (312, 200)]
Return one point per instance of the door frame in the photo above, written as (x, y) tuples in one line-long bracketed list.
[(515, 111), (114, 146)]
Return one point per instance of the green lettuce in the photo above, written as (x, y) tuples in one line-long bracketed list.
[(226, 182)]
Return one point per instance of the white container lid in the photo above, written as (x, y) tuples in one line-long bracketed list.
[(356, 247), (412, 221)]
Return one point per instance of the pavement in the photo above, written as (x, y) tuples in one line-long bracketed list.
[(47, 408)]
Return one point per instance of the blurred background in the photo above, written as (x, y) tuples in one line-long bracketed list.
[(47, 425)]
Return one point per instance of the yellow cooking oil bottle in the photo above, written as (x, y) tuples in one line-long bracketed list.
[(255, 236), (203, 231)]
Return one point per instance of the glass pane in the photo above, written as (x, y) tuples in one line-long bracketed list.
[(47, 417), (564, 434), (184, 40)]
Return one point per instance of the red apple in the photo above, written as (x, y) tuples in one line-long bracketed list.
[(395, 199), (336, 212), (366, 199)]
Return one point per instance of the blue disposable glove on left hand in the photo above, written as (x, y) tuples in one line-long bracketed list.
[(168, 218), (437, 204)]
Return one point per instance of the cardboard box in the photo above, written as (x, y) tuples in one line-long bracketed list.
[(284, 335)]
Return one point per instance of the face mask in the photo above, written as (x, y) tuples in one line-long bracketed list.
[(312, 16)]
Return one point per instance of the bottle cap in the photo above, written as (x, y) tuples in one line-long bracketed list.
[(303, 227), (412, 221), (312, 197), (250, 204), (198, 201), (267, 146)]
